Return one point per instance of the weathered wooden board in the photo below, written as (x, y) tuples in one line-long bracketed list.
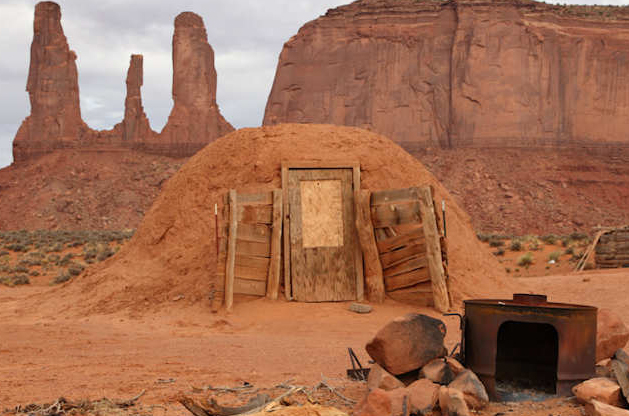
[(253, 227), (386, 244), (273, 281), (408, 239), (389, 215), (407, 279), (374, 281), (392, 258), (320, 271), (249, 287)]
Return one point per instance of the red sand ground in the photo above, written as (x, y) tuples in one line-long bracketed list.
[(44, 356)]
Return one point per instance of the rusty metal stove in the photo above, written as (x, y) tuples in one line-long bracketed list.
[(528, 342)]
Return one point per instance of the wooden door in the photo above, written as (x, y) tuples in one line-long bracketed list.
[(322, 235)]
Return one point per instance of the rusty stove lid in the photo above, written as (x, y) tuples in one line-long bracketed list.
[(527, 300)]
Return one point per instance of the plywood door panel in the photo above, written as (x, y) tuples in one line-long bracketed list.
[(322, 235)]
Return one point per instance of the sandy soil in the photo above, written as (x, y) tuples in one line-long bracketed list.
[(44, 355)]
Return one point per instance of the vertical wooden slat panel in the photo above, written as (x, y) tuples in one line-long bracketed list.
[(273, 282), (286, 220), (231, 250), (433, 250), (374, 281), (358, 256)]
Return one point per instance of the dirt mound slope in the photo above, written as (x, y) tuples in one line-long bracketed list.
[(173, 250)]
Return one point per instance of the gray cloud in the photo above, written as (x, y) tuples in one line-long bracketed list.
[(247, 37)]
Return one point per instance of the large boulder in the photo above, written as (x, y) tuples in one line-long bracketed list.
[(379, 378), (602, 389), (611, 334), (422, 396), (452, 402), (474, 391), (408, 343)]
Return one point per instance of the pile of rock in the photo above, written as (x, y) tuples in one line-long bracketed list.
[(607, 395), (413, 374)]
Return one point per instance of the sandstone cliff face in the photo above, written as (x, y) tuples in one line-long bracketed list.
[(461, 73), (55, 121), (53, 89), (195, 119)]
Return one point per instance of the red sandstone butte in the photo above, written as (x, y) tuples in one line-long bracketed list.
[(55, 121), (135, 125), (195, 119), (53, 89), (461, 73)]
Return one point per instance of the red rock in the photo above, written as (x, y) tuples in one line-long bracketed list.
[(458, 74), (602, 389), (135, 125), (52, 87), (195, 119), (441, 370), (475, 394), (611, 335), (379, 378), (408, 343), (596, 408), (452, 402), (382, 403), (55, 121), (422, 396)]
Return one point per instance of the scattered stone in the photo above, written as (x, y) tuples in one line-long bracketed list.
[(379, 378), (621, 355), (620, 370), (469, 384), (452, 402), (407, 343), (422, 396), (596, 408), (441, 370), (611, 335), (360, 307), (602, 389), (379, 403)]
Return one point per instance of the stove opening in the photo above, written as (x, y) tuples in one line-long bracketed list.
[(526, 358)]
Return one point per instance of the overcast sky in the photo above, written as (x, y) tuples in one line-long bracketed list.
[(247, 37)]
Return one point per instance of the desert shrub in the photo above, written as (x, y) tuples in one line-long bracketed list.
[(483, 237), (495, 242), (15, 280), (565, 241), (17, 247), (499, 252), (525, 260), (105, 253), (534, 245), (549, 239), (4, 253), (508, 270), (65, 260), (576, 236), (89, 252), (20, 268), (75, 269), (53, 258), (61, 277), (516, 245), (554, 256), (569, 250), (34, 273)]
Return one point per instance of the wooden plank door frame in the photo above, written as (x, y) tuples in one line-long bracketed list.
[(317, 164)]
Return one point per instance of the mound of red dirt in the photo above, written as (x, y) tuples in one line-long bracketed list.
[(173, 250)]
